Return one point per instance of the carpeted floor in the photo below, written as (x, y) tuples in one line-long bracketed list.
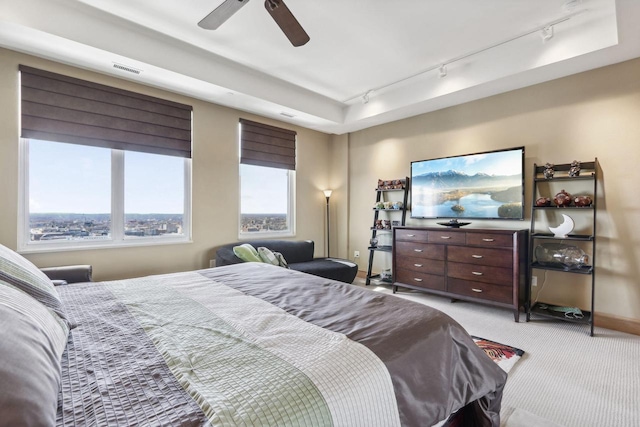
[(565, 377)]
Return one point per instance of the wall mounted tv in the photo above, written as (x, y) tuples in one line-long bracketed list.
[(487, 185)]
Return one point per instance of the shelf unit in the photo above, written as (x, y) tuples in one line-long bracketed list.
[(586, 182), (381, 195)]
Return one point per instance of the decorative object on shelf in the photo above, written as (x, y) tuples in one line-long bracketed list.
[(543, 201), (395, 223), (385, 274), (387, 224), (454, 223), (562, 199), (378, 205), (391, 184), (379, 225), (582, 201), (373, 242), (397, 205), (388, 205), (575, 169), (563, 229), (548, 171), (567, 257)]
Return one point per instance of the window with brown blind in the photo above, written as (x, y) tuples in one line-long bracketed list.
[(267, 180), (101, 166)]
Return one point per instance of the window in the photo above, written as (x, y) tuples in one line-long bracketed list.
[(78, 196), (266, 201), (267, 180), (100, 166)]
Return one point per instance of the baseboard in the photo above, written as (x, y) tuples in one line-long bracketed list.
[(618, 323)]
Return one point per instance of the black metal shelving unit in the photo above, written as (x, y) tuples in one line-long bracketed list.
[(588, 174), (374, 231)]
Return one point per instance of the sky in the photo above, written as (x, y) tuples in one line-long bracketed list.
[(70, 178), (494, 163)]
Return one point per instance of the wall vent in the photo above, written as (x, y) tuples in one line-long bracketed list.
[(126, 68)]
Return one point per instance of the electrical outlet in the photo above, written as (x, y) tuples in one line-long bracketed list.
[(356, 254), (534, 280)]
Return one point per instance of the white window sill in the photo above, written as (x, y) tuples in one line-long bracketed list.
[(32, 248), (258, 235)]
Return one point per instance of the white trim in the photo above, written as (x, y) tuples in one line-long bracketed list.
[(118, 238), (117, 196)]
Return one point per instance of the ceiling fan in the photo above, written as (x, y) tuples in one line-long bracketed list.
[(276, 8)]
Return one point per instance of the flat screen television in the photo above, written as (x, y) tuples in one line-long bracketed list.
[(488, 185)]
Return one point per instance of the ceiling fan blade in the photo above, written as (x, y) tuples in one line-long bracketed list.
[(221, 13), (287, 22)]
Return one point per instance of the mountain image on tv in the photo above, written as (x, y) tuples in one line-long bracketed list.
[(440, 189)]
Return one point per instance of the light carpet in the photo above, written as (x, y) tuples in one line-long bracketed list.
[(566, 377)]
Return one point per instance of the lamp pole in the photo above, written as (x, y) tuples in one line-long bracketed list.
[(327, 194)]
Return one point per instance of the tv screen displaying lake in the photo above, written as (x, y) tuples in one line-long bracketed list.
[(484, 186)]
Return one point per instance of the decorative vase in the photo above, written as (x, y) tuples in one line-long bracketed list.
[(560, 255), (543, 201), (575, 169), (582, 201), (562, 199), (548, 171)]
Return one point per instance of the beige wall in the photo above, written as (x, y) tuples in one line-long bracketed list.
[(215, 199), (593, 114)]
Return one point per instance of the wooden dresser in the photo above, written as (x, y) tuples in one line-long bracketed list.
[(487, 266)]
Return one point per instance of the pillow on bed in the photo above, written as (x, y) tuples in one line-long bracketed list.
[(247, 253), (32, 340), (22, 274), (267, 256)]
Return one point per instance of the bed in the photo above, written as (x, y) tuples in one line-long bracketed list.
[(242, 345)]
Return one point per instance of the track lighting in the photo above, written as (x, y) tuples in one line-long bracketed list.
[(442, 71), (365, 97), (547, 33)]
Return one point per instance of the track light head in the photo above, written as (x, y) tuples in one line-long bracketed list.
[(547, 33), (442, 71)]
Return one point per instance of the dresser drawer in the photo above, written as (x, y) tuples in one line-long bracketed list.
[(419, 250), (420, 265), (447, 237), (412, 235), (486, 291), (481, 256), (428, 281), (489, 240), (481, 273)]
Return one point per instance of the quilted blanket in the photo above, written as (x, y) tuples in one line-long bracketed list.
[(258, 345)]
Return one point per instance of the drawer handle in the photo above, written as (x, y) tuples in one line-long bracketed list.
[(417, 265), (476, 273), (476, 256), (487, 240), (411, 235), (476, 290), (445, 237), (417, 280), (417, 250)]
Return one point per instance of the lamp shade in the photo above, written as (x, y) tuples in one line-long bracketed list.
[(327, 193)]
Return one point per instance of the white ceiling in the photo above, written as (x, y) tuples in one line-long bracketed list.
[(390, 50)]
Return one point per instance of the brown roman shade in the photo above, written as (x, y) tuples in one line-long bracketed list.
[(264, 145), (65, 109)]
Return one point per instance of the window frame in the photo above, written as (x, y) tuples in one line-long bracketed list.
[(291, 217), (118, 238)]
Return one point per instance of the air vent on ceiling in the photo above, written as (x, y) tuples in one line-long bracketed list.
[(126, 68)]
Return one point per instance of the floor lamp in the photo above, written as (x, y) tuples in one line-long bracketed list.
[(327, 194)]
